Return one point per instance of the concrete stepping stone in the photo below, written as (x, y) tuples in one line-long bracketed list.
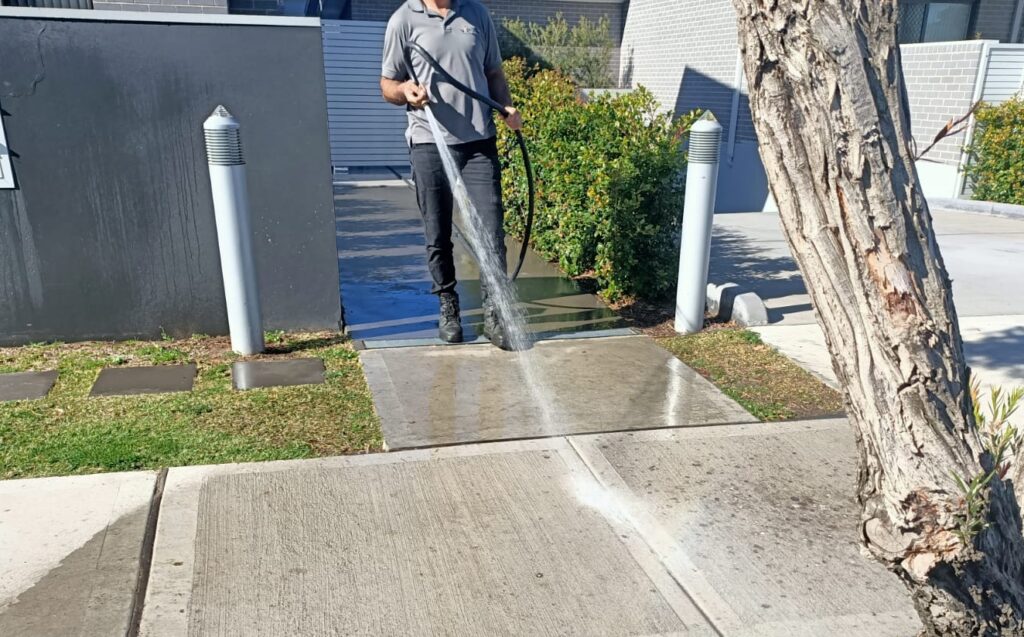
[(283, 373), (158, 379), (26, 385)]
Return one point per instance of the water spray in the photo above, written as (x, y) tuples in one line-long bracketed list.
[(498, 108)]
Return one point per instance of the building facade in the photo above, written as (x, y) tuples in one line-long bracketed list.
[(954, 53)]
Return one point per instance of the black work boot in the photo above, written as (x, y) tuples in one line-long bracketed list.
[(494, 328), (450, 323)]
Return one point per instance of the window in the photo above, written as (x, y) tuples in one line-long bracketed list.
[(922, 21), (6, 172)]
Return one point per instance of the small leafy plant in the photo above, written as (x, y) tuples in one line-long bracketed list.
[(582, 52), (997, 153), (1002, 441), (608, 177)]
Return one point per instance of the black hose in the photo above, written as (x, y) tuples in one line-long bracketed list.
[(440, 70)]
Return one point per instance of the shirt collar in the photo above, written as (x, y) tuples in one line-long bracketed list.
[(419, 7)]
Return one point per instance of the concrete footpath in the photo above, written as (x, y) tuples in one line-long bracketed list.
[(985, 258), (721, 530)]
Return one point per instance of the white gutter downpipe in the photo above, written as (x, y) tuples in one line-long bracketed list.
[(734, 112), (234, 233), (979, 90), (1018, 13)]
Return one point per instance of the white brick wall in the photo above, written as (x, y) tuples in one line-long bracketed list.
[(163, 6), (684, 51), (940, 81)]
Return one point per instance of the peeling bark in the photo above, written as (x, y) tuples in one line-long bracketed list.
[(830, 109)]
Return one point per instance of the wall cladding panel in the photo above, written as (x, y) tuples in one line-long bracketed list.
[(110, 233)]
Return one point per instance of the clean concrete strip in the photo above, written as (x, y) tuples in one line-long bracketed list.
[(758, 523), (432, 396), (464, 540), (71, 549)]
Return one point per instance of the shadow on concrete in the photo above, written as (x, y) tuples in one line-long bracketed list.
[(1001, 351), (90, 592), (738, 259)]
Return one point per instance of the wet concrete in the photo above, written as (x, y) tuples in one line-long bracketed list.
[(430, 396), (286, 373), (69, 553), (385, 283)]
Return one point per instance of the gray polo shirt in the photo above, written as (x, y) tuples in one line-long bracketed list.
[(465, 43)]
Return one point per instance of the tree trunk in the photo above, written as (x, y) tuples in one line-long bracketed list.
[(830, 109)]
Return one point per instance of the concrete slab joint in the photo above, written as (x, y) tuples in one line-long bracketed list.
[(730, 302)]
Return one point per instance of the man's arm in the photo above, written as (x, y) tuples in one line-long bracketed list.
[(403, 93), (498, 86), (395, 85)]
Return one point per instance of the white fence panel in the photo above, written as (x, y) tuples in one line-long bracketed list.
[(1005, 76), (365, 131)]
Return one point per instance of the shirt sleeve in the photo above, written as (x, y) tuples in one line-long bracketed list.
[(492, 56), (393, 63)]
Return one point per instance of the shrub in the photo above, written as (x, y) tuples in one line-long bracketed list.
[(608, 178), (583, 52), (997, 153)]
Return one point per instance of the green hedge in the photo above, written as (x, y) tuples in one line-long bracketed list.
[(609, 177), (997, 153)]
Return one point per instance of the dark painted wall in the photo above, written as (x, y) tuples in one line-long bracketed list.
[(110, 233)]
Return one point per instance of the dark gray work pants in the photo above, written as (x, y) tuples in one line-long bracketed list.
[(481, 172)]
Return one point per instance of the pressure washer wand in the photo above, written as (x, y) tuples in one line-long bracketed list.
[(440, 70)]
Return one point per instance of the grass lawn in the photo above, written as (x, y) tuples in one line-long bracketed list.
[(763, 381), (71, 433)]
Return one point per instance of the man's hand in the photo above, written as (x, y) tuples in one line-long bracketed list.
[(513, 118), (415, 94)]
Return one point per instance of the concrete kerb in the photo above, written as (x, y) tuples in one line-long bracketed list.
[(983, 207), (730, 302)]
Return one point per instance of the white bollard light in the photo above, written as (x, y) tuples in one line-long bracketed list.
[(234, 234), (698, 214)]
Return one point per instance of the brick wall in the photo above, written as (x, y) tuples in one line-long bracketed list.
[(994, 19), (940, 81), (166, 6), (685, 52), (253, 7)]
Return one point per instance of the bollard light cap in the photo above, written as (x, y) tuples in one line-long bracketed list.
[(706, 123), (223, 139), (221, 119), (705, 140)]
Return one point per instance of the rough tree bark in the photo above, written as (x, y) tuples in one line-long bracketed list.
[(829, 105)]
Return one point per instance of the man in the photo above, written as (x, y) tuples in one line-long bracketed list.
[(461, 36)]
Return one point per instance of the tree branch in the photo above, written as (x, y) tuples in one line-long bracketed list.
[(949, 130)]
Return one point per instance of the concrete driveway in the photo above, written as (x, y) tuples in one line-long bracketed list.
[(984, 255)]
